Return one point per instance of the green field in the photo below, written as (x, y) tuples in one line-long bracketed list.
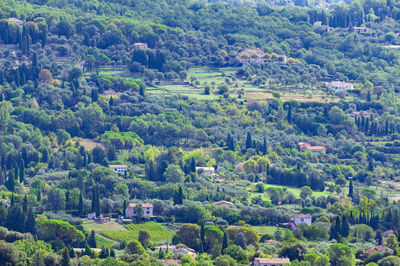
[(101, 241), (90, 225), (157, 232)]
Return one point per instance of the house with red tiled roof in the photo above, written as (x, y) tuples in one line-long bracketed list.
[(223, 203), (314, 149), (270, 261), (382, 249)]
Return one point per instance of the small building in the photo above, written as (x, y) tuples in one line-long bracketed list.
[(141, 45), (206, 170), (165, 247), (102, 220), (119, 168), (299, 219), (270, 261), (182, 251), (110, 93), (223, 203), (382, 249), (91, 216), (360, 29), (314, 149), (338, 86), (147, 210), (318, 24), (16, 21)]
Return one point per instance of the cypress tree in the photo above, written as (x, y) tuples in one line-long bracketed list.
[(336, 229), (351, 188), (38, 195), (193, 166), (378, 237), (22, 172), (289, 114), (97, 205), (224, 243), (249, 141), (30, 224), (180, 196), (10, 184), (25, 204), (93, 199), (80, 205), (92, 239), (202, 233), (345, 227), (111, 102), (65, 258), (161, 254), (265, 148)]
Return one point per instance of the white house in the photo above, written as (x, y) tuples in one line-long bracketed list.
[(206, 170), (147, 210), (270, 261), (16, 21), (299, 219), (360, 29), (141, 45), (339, 86), (119, 168), (91, 216)]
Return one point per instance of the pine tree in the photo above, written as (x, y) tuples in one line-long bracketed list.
[(224, 243), (80, 205), (249, 141)]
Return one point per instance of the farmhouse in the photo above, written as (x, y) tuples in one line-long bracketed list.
[(299, 219), (360, 29), (206, 170), (141, 45), (314, 149), (382, 249), (147, 210), (318, 24), (223, 203), (270, 261), (91, 216), (338, 86), (387, 233), (119, 168)]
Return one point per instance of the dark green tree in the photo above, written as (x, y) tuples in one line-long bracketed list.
[(249, 141), (224, 243), (65, 257), (92, 239), (80, 205)]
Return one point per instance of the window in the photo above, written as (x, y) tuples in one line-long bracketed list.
[(148, 212), (302, 220)]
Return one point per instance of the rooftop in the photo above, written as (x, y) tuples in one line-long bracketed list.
[(117, 166), (144, 205), (223, 202), (272, 260), (301, 215)]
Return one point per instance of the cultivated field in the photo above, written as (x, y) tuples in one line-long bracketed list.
[(157, 232)]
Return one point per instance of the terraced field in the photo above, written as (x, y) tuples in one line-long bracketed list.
[(157, 232)]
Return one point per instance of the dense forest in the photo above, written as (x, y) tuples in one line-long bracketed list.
[(143, 132)]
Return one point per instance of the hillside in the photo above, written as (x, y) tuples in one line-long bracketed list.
[(143, 132)]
